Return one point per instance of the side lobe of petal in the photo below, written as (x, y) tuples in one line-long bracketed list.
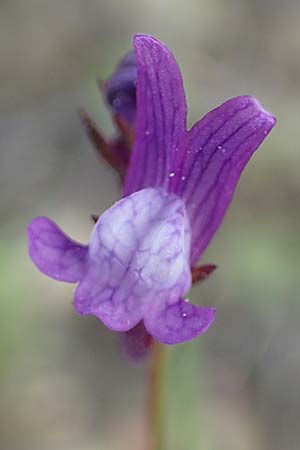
[(54, 253), (161, 115), (211, 161), (174, 323)]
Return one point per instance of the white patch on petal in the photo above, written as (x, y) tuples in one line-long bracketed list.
[(141, 248)]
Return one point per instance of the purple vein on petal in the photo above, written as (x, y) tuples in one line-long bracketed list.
[(202, 133), (217, 149), (161, 115), (218, 197), (206, 169)]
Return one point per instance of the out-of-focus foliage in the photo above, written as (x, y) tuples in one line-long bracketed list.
[(64, 383)]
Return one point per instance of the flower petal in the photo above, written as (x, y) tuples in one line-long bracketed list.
[(54, 253), (210, 163), (161, 115), (108, 291), (173, 323), (139, 250)]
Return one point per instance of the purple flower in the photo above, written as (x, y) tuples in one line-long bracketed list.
[(120, 89), (137, 265)]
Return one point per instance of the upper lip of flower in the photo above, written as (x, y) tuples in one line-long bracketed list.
[(199, 168)]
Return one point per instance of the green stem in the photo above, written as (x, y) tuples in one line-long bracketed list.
[(157, 399)]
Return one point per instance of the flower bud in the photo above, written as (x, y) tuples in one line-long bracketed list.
[(120, 89)]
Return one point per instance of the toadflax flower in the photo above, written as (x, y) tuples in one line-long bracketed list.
[(136, 267)]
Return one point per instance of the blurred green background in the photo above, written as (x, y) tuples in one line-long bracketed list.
[(64, 385)]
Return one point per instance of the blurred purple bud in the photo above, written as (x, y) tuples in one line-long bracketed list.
[(136, 343), (120, 89)]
